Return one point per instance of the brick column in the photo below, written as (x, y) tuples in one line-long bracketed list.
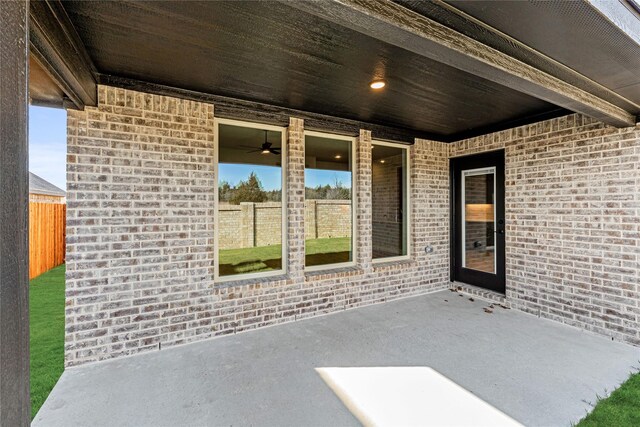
[(247, 221), (311, 217), (363, 224), (429, 187), (295, 198)]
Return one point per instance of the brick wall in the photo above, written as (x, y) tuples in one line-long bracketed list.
[(332, 218), (260, 224), (141, 226), (140, 212), (230, 220), (267, 223), (249, 224), (572, 221)]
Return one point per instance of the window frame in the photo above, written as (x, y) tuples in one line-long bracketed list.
[(284, 200), (354, 201), (407, 202)]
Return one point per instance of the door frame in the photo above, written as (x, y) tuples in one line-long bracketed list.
[(478, 161)]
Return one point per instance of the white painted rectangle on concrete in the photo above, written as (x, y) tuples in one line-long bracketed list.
[(410, 396)]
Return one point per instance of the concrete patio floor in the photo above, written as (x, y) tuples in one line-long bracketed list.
[(538, 372)]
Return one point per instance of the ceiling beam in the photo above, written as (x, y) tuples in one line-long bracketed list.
[(394, 24), (239, 109), (460, 21), (56, 46), (252, 111)]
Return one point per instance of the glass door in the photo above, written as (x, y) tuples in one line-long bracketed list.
[(478, 218)]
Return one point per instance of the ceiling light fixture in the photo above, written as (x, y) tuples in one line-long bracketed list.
[(265, 151), (377, 84), (382, 161), (338, 156)]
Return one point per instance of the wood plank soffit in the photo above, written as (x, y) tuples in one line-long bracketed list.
[(401, 27)]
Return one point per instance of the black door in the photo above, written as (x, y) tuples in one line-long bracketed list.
[(477, 215)]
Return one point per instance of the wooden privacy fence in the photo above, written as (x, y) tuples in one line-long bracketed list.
[(47, 222)]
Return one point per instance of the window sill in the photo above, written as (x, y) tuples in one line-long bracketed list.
[(332, 272), (230, 283), (393, 265)]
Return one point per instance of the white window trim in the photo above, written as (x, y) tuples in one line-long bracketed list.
[(284, 241), (407, 207), (354, 202)]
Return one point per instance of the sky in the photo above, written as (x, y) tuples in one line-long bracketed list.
[(270, 176), (315, 177), (48, 156), (48, 144)]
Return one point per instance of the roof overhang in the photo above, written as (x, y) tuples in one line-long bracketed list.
[(454, 70)]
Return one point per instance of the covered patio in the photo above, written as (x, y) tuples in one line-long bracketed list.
[(535, 371), (233, 166)]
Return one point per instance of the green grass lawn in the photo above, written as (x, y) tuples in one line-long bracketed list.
[(265, 258), (620, 409), (327, 251), (46, 314)]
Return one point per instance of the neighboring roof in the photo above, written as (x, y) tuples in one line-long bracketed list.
[(38, 185)]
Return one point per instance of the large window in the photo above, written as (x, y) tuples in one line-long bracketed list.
[(250, 177), (390, 202), (329, 208)]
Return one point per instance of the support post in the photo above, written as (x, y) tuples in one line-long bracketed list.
[(15, 405), (295, 200)]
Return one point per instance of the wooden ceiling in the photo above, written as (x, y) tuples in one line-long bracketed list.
[(574, 35), (271, 53)]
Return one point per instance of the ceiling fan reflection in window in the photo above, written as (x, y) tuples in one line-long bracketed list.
[(265, 148)]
